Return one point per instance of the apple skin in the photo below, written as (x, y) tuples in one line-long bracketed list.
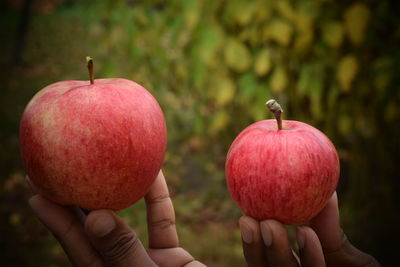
[(287, 175), (97, 146)]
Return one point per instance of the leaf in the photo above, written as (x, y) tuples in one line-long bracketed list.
[(304, 40), (257, 109), (346, 72), (192, 11), (237, 56), (280, 31), (332, 34), (240, 12), (181, 71), (225, 91), (211, 38), (263, 64), (285, 9), (279, 80), (392, 111), (344, 124), (218, 122), (311, 78), (332, 97), (247, 87), (310, 85), (245, 13), (356, 19), (382, 68), (304, 22), (15, 218), (381, 80), (263, 10)]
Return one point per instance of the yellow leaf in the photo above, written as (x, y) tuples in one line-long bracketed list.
[(279, 31), (279, 80), (333, 34), (285, 9), (237, 56), (191, 13), (181, 70), (245, 14), (225, 91), (304, 40), (305, 30), (258, 112), (218, 122), (263, 10), (304, 21), (356, 19), (15, 218), (263, 64), (240, 12), (346, 72)]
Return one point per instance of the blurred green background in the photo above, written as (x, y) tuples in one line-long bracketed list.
[(212, 64)]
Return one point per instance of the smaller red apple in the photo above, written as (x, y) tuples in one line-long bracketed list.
[(284, 170)]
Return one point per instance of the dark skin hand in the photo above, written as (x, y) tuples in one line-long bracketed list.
[(322, 243), (101, 238)]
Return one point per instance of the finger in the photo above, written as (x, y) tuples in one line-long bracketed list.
[(160, 216), (170, 257), (327, 226), (31, 185), (310, 249), (338, 251), (253, 246), (68, 230), (116, 242), (277, 246)]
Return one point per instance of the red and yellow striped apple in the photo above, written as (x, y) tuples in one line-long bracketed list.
[(97, 144), (285, 171)]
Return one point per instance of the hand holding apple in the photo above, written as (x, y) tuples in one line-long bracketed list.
[(283, 170), (97, 144)]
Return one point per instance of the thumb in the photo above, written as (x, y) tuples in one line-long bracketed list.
[(338, 250), (116, 242)]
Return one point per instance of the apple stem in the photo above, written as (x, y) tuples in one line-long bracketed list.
[(89, 62), (277, 110)]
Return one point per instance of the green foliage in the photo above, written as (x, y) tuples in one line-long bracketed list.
[(212, 65)]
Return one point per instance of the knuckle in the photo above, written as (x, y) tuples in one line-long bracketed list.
[(348, 255), (159, 199), (64, 233), (344, 244), (371, 261), (126, 243), (163, 223)]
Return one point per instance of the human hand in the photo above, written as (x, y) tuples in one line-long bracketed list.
[(101, 238), (322, 243)]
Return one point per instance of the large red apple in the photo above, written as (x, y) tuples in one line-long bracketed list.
[(285, 174), (95, 145)]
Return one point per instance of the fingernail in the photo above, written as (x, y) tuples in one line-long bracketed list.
[(103, 225), (266, 233), (300, 236), (247, 234)]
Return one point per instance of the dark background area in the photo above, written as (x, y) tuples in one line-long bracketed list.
[(212, 65)]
